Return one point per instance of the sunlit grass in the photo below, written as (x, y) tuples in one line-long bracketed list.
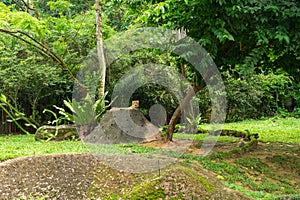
[(285, 130), (13, 146), (202, 137)]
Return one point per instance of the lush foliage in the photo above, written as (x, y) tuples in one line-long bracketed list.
[(84, 112), (41, 50), (254, 44), (256, 96), (14, 115), (248, 35), (148, 94)]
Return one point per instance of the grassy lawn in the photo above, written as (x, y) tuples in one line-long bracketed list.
[(285, 130), (268, 171), (282, 130), (13, 146)]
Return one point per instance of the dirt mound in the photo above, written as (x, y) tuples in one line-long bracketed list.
[(53, 176), (81, 176), (177, 181)]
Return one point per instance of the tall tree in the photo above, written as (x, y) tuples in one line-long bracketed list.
[(100, 52)]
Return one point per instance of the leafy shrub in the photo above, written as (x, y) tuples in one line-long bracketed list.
[(255, 96), (84, 112)]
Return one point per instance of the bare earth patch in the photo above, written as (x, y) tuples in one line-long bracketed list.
[(57, 176)]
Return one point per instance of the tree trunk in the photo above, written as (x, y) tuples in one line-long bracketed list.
[(100, 52), (179, 109)]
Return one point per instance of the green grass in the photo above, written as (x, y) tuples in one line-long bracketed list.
[(252, 176), (202, 137), (13, 146), (284, 130), (278, 130), (256, 179)]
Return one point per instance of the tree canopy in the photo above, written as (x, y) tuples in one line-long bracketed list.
[(245, 35), (255, 45)]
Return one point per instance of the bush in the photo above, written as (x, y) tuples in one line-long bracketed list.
[(255, 96)]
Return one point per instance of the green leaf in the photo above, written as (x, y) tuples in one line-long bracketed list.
[(59, 5), (69, 105), (3, 98)]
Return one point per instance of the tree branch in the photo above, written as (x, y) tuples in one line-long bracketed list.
[(30, 8), (19, 5), (36, 44)]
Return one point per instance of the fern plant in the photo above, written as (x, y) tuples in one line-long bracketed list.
[(15, 115), (84, 112)]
